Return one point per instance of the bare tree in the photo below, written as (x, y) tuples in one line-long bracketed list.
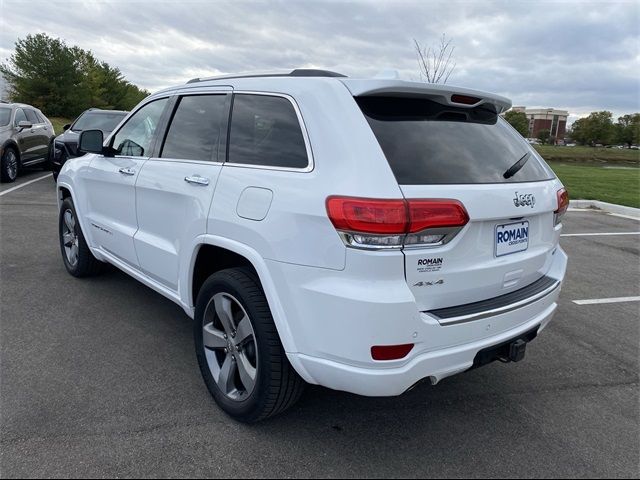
[(436, 63)]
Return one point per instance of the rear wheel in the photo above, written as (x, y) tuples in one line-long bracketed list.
[(76, 255), (9, 164), (239, 351)]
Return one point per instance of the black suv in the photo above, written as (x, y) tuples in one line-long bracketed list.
[(25, 139), (66, 145)]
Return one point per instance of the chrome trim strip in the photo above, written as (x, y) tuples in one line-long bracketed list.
[(496, 311)]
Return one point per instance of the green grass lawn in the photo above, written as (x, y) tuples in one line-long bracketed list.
[(58, 123), (589, 155), (590, 182)]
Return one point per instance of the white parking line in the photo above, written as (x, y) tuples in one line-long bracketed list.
[(13, 189), (597, 233), (606, 300), (624, 216)]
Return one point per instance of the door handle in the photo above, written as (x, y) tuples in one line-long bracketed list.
[(197, 180), (127, 171)]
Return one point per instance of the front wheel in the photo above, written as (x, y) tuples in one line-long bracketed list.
[(76, 255), (239, 351), (9, 165)]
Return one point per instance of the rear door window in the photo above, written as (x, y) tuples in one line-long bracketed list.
[(265, 131), (427, 143), (196, 129)]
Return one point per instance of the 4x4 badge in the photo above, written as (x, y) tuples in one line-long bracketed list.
[(428, 284), (524, 199)]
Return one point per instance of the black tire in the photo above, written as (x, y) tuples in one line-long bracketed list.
[(9, 165), (86, 265), (277, 386), (55, 176)]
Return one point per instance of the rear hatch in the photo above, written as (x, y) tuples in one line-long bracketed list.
[(468, 153)]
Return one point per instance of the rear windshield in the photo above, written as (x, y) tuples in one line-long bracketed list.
[(98, 121), (429, 143), (5, 116)]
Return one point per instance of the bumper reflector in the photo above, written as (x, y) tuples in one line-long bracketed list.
[(391, 352)]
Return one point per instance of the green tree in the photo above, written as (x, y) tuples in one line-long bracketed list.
[(597, 128), (544, 136), (64, 81), (578, 131), (627, 129), (519, 121)]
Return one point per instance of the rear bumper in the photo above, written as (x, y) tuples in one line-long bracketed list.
[(440, 350), (434, 366)]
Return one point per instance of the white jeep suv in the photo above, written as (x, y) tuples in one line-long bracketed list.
[(363, 235)]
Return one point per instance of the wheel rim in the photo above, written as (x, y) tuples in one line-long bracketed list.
[(70, 238), (12, 164), (230, 346)]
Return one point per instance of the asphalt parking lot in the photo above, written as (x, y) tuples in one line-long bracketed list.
[(98, 378)]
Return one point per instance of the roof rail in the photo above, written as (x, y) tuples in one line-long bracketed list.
[(298, 72)]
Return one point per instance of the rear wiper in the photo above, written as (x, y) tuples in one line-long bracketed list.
[(515, 168)]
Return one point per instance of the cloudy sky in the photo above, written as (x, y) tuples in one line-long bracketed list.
[(578, 55)]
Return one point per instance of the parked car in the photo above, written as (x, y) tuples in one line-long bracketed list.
[(363, 235), (65, 145), (25, 139)]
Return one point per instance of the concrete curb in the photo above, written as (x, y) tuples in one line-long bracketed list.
[(605, 207)]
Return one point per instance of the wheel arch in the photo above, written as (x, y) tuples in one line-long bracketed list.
[(243, 255), (11, 143)]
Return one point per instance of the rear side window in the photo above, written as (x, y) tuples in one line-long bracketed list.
[(427, 143), (195, 130), (40, 118), (31, 116), (265, 131)]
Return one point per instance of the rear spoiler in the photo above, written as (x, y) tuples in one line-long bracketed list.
[(443, 94)]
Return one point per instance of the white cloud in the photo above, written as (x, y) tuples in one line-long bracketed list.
[(581, 56)]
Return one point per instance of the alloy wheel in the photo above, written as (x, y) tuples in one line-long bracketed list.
[(70, 237), (12, 164), (230, 346)]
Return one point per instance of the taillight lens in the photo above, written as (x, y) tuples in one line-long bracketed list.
[(563, 204), (367, 215), (425, 214), (373, 223)]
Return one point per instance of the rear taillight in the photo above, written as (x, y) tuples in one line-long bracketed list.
[(563, 203), (373, 223)]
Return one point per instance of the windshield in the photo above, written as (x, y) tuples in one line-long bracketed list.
[(98, 121), (427, 143), (5, 116)]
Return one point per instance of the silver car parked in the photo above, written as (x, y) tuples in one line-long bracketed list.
[(26, 136)]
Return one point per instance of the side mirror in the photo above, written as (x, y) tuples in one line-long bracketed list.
[(66, 127), (91, 141), (24, 125)]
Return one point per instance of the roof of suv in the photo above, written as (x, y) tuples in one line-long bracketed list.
[(463, 97), (17, 105)]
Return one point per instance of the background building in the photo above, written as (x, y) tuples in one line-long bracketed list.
[(546, 119)]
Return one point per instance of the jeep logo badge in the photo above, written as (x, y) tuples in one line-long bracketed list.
[(524, 199)]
